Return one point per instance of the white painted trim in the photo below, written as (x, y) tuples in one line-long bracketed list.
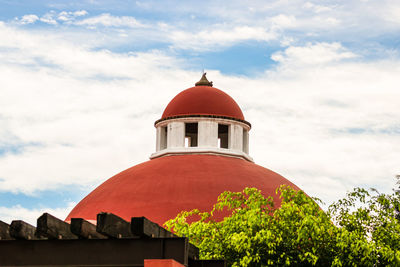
[(202, 150)]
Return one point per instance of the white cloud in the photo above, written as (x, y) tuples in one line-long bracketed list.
[(318, 8), (326, 124), (79, 13), (209, 39), (283, 21), (49, 18), (349, 20), (52, 17), (392, 14), (286, 41), (106, 89), (8, 214), (108, 20), (319, 53), (28, 19), (71, 15)]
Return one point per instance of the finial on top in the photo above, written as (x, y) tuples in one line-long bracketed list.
[(203, 81)]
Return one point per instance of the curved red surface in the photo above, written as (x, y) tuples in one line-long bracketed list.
[(160, 188), (203, 100)]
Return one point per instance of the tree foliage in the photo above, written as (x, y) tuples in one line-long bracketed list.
[(362, 229)]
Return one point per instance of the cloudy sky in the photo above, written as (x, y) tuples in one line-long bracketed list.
[(82, 82)]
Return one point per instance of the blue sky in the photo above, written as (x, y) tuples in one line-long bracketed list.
[(82, 83)]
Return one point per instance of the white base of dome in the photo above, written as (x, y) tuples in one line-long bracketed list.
[(202, 150)]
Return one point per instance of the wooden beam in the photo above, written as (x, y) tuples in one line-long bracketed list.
[(91, 252), (5, 231), (166, 233), (84, 229), (113, 226), (53, 228), (193, 251), (143, 227), (22, 230)]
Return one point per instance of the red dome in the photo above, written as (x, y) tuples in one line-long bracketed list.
[(160, 188), (203, 100)]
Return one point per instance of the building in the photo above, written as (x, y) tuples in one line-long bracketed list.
[(202, 149)]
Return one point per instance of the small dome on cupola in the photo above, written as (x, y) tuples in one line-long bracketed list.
[(203, 99)]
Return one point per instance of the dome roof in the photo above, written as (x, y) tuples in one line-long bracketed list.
[(203, 100), (160, 188)]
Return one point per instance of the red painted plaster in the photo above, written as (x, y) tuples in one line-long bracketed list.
[(160, 188), (162, 263), (203, 100)]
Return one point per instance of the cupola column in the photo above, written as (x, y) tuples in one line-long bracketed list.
[(236, 137), (176, 134), (208, 132), (158, 139), (245, 141)]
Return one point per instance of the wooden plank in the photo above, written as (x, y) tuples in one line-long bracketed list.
[(113, 226), (143, 227), (84, 229), (5, 231), (91, 252), (53, 228), (22, 230), (166, 233), (193, 251)]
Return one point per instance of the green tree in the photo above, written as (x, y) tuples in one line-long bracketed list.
[(298, 232), (368, 231)]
